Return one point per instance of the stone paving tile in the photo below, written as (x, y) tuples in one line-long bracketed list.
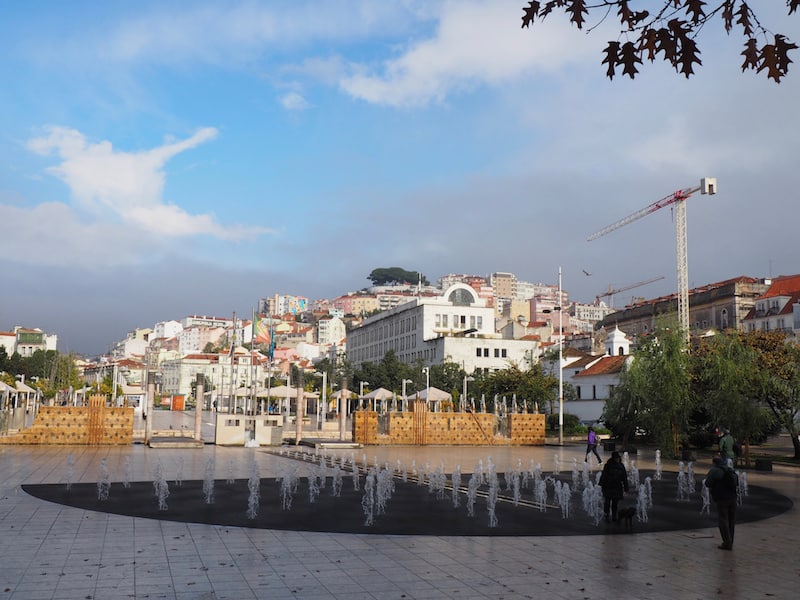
[(54, 552)]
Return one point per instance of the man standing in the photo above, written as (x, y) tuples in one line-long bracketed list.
[(726, 450), (722, 483), (614, 483)]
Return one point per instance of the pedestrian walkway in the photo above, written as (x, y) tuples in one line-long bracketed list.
[(49, 551)]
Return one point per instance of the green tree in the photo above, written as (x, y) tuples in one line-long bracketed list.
[(671, 31), (654, 392), (389, 275), (532, 386), (778, 383), (726, 382)]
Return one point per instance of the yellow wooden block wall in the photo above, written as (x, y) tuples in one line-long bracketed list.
[(91, 425), (448, 429)]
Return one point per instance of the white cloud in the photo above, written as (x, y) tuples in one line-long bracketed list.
[(51, 234), (129, 185), (476, 43), (294, 101), (220, 33)]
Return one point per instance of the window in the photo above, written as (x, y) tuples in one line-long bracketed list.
[(497, 352), (438, 320), (486, 353), (472, 322), (503, 353), (444, 320), (478, 352), (578, 391)]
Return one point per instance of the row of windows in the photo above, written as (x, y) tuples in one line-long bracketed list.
[(498, 352), (459, 321), (780, 324), (594, 392), (387, 330), (375, 352)]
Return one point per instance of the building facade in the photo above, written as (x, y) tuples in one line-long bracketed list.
[(457, 326), (778, 309), (721, 305)]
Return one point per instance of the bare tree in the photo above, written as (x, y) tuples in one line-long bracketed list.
[(671, 32)]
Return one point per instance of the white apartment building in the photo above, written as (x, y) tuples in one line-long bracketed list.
[(457, 326), (166, 329), (778, 309), (29, 341), (590, 312), (330, 330), (194, 339), (178, 374)]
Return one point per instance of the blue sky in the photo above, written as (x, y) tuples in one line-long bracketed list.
[(161, 159)]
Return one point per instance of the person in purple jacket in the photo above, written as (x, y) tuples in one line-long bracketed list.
[(591, 446)]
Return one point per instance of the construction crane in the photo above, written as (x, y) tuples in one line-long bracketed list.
[(708, 185), (611, 291)]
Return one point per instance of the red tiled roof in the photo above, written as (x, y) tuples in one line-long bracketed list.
[(605, 366), (783, 286), (581, 362)]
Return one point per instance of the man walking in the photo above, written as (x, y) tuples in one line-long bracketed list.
[(591, 446)]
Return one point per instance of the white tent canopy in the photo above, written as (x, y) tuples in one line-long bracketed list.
[(379, 394), (433, 394)]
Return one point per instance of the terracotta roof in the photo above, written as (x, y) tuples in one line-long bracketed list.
[(783, 286), (607, 365), (581, 362)]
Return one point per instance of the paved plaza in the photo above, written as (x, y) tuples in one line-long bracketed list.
[(51, 551)]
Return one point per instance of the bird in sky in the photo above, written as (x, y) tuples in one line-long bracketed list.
[(585, 272)]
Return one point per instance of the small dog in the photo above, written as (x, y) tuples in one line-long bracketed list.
[(626, 515)]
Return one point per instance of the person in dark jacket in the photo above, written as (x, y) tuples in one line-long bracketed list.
[(614, 483), (722, 482)]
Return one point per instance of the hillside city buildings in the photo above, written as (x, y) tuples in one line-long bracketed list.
[(480, 323)]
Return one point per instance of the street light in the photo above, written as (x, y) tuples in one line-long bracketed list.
[(320, 405), (405, 398), (464, 395), (427, 372), (560, 362)]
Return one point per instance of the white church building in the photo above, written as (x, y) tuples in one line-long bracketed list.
[(594, 377)]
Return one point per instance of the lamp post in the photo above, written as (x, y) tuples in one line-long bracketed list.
[(560, 363), (427, 371), (405, 398), (322, 406), (558, 307), (464, 395)]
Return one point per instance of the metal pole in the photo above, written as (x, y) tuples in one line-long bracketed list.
[(560, 364), (299, 411), (342, 411), (198, 407)]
